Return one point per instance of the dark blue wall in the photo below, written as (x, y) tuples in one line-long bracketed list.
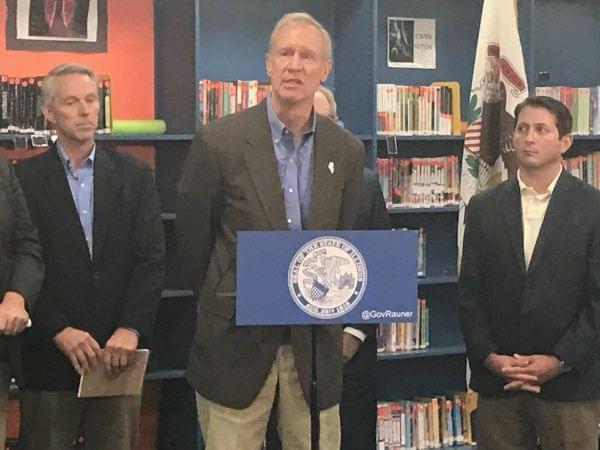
[(567, 41), (233, 36)]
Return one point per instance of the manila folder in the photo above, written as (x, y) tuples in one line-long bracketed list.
[(97, 383)]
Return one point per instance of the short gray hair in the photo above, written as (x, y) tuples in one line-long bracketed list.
[(303, 17), (331, 100), (48, 89)]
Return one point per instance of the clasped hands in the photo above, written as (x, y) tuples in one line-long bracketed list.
[(523, 372), (84, 352)]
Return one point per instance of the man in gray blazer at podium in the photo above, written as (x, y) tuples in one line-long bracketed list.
[(530, 295), (276, 166)]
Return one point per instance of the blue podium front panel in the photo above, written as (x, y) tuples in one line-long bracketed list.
[(326, 277)]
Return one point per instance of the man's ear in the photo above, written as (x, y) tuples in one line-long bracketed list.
[(47, 111), (268, 64), (326, 69), (565, 142)]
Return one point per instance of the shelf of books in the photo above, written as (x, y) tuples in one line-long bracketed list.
[(420, 184), (427, 422), (419, 152), (583, 103)]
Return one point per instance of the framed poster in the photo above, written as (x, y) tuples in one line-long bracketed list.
[(57, 25)]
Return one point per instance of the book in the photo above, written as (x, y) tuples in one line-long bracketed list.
[(421, 259)]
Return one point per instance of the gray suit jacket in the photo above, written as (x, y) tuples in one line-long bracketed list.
[(21, 266), (230, 183)]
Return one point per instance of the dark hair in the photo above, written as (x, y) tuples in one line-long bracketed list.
[(564, 121)]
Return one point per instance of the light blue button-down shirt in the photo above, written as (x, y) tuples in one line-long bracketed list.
[(81, 183), (294, 164)]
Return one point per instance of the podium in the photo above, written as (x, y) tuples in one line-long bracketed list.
[(325, 277)]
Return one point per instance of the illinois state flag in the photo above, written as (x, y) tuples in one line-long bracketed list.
[(499, 84)]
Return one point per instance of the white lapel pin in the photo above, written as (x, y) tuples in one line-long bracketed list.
[(331, 167)]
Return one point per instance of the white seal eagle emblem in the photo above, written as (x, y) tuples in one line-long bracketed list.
[(327, 277)]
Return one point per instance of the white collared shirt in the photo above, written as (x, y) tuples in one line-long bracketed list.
[(533, 207)]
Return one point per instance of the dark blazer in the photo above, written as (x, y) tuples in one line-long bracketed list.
[(119, 287), (230, 183), (358, 408), (372, 215), (554, 306), (21, 267)]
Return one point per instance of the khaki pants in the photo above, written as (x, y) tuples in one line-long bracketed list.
[(244, 429), (52, 420), (515, 424)]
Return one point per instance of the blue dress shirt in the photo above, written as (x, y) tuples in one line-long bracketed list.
[(81, 183), (294, 164)]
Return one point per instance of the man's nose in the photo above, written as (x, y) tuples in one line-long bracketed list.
[(295, 62)]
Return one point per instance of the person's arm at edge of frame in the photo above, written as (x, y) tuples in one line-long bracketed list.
[(28, 268)]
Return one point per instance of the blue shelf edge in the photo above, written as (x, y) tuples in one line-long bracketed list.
[(169, 374), (144, 137), (430, 352), (422, 209), (444, 279), (586, 137), (421, 137), (117, 138), (392, 210), (177, 293)]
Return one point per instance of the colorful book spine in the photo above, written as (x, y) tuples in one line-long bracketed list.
[(220, 98)]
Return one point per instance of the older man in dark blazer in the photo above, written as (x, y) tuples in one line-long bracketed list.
[(276, 166), (21, 273), (98, 215), (530, 295)]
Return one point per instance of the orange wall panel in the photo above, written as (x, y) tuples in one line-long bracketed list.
[(129, 59)]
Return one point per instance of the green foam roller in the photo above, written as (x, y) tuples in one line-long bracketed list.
[(139, 127)]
